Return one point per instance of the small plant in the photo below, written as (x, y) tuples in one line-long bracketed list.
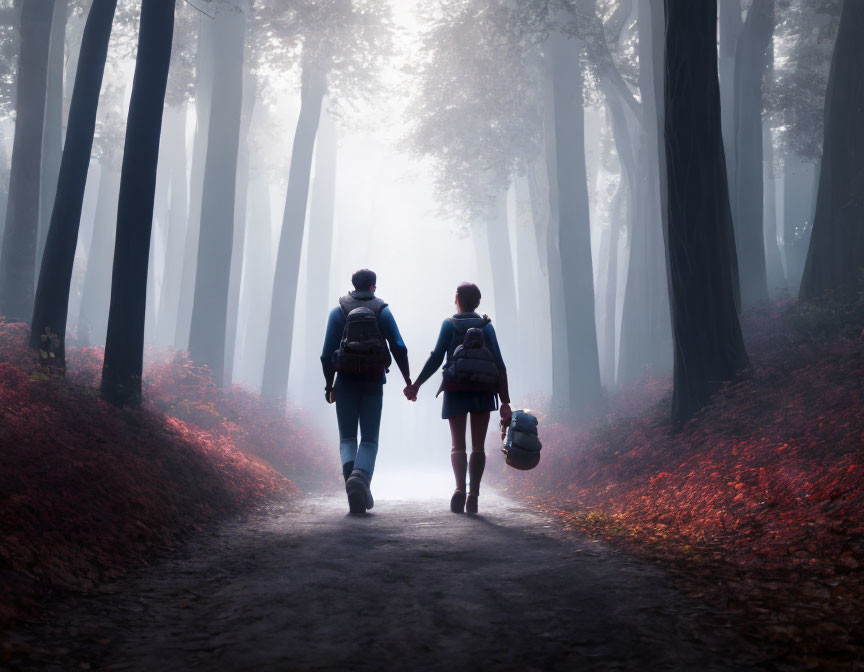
[(47, 364)]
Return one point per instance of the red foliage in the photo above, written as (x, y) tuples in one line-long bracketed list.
[(766, 482), (85, 488)]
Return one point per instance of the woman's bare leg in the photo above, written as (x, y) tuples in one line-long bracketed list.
[(477, 463), (458, 458)]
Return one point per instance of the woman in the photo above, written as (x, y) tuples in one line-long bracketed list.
[(459, 404)]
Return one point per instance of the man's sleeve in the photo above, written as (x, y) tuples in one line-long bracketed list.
[(335, 325), (394, 340)]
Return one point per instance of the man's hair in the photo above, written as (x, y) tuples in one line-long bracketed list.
[(363, 279), (469, 296)]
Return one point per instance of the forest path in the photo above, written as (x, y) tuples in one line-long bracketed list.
[(409, 586)]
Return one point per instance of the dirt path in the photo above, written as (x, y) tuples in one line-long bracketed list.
[(408, 587)]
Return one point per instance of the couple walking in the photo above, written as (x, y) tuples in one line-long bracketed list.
[(361, 335)]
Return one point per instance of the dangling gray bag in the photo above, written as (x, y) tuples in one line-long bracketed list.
[(521, 442)]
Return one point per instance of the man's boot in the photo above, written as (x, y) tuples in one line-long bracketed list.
[(359, 494)]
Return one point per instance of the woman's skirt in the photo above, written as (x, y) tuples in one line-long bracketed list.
[(462, 401)]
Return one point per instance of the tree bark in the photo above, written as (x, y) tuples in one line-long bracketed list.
[(238, 254), (836, 253), (124, 346), (730, 27), (646, 330), (751, 62), (274, 384), (52, 133), (701, 247), (212, 279), (322, 212), (18, 255), (55, 276), (204, 77), (574, 237)]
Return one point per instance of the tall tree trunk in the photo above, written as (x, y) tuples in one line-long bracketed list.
[(836, 252), (55, 276), (238, 254), (320, 246), (503, 284), (773, 264), (52, 133), (701, 246), (18, 255), (751, 61), (274, 384), (730, 26), (529, 286), (210, 305), (557, 321), (646, 330), (174, 132), (124, 346), (574, 237), (799, 177), (96, 294), (204, 78), (256, 288)]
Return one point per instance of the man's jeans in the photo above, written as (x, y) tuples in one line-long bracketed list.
[(358, 402)]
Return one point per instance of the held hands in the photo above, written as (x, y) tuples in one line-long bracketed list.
[(410, 391)]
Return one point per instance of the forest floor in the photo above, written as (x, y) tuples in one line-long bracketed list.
[(409, 586)]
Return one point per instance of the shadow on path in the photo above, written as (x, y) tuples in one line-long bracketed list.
[(408, 587)]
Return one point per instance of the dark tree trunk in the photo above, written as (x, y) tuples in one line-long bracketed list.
[(18, 255), (730, 27), (320, 247), (836, 252), (751, 62), (52, 134), (646, 330), (701, 246), (55, 276), (204, 78), (96, 294), (174, 133), (210, 305), (238, 255), (124, 345), (574, 238), (280, 333)]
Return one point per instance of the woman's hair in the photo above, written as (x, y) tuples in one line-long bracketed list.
[(469, 296)]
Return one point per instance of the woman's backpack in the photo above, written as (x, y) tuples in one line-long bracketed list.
[(522, 443), (472, 366), (362, 349)]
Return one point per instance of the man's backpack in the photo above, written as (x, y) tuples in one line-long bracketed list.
[(472, 365), (362, 350)]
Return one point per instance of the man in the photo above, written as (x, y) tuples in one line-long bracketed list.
[(355, 349)]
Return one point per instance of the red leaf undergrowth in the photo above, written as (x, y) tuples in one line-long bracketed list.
[(87, 488), (761, 495)]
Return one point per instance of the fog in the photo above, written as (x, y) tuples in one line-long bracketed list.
[(516, 146)]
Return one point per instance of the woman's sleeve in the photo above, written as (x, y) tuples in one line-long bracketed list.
[(436, 357), (492, 344)]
